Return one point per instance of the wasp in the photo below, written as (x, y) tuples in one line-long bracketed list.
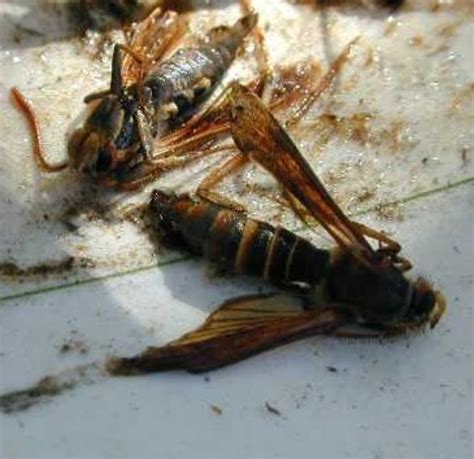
[(352, 285), (132, 136), (147, 96)]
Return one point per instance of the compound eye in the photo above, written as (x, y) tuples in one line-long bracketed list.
[(104, 161)]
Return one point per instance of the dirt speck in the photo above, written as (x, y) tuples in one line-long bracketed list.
[(355, 127), (364, 196), (10, 270), (271, 409), (449, 30), (23, 399), (290, 81), (463, 99), (74, 345), (416, 41), (389, 212), (216, 409)]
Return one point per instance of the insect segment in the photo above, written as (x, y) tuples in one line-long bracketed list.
[(236, 243), (352, 284), (144, 96)]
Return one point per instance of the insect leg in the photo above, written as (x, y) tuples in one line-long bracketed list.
[(145, 172), (116, 82), (96, 95), (151, 39), (298, 209), (327, 80), (204, 189), (388, 246), (144, 134), (38, 150), (262, 52)]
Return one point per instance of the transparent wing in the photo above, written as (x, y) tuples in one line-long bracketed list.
[(239, 328), (148, 41), (257, 133)]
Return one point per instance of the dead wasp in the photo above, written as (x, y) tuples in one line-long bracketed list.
[(145, 94), (350, 285), (120, 143)]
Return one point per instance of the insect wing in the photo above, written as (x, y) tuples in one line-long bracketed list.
[(239, 328), (257, 132), (149, 40)]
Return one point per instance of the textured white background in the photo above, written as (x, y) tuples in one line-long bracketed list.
[(408, 398)]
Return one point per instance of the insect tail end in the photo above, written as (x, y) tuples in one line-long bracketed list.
[(130, 366), (439, 310), (153, 359)]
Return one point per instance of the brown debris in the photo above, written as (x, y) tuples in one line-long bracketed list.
[(11, 270), (216, 409), (272, 409), (23, 399), (74, 345)]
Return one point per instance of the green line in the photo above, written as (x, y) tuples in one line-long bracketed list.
[(53, 288), (92, 280), (415, 197)]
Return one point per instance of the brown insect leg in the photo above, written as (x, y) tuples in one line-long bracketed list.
[(262, 51), (144, 134), (96, 95), (202, 127), (391, 247), (298, 209), (130, 68), (175, 146), (38, 150), (388, 246), (156, 35), (144, 173), (204, 190), (324, 84), (116, 82)]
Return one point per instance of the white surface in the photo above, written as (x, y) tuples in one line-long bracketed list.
[(407, 398)]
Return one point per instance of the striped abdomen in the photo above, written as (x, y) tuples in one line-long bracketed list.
[(237, 243), (179, 83)]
